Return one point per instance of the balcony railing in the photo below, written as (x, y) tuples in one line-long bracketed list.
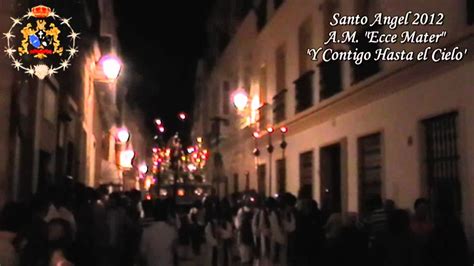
[(304, 91), (263, 116), (277, 3), (330, 79), (261, 11), (279, 106)]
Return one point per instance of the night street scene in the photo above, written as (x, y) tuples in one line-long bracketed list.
[(237, 133)]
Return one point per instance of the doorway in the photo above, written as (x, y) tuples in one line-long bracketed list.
[(330, 163)]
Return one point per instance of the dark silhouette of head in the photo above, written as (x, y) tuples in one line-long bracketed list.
[(399, 221), (389, 205), (160, 210), (421, 207), (375, 202), (12, 217)]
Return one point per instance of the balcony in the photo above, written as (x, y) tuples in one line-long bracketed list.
[(263, 116), (277, 3), (279, 108), (367, 68), (261, 12), (331, 81), (304, 91)]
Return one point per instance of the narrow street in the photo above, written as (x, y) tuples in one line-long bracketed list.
[(251, 132)]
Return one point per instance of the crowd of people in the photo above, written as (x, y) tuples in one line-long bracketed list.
[(71, 224)]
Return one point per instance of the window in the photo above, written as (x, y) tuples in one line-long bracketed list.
[(49, 104), (247, 78), (306, 173), (261, 15), (244, 7), (370, 169), (368, 67), (214, 100), (470, 12), (304, 91), (330, 79), (226, 97), (304, 43), (262, 83), (279, 107), (261, 173), (281, 175), (277, 3), (442, 162), (223, 40), (236, 182), (263, 110), (280, 59)]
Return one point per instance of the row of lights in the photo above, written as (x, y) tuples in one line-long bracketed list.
[(240, 100)]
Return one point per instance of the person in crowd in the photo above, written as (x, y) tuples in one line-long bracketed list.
[(32, 239), (87, 198), (60, 241), (352, 243), (289, 225), (377, 220), (148, 218), (278, 236), (117, 223), (159, 241), (421, 224), (394, 247), (226, 233), (422, 228), (309, 233), (448, 243), (212, 242), (100, 230), (61, 207), (196, 221), (218, 237), (243, 224), (11, 221), (258, 212), (389, 206)]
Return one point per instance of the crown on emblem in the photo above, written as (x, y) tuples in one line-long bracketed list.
[(40, 11)]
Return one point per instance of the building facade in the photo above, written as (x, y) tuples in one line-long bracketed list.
[(63, 125), (398, 129)]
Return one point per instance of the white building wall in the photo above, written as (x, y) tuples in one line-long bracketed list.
[(402, 95)]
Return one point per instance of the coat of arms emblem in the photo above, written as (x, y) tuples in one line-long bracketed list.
[(47, 44)]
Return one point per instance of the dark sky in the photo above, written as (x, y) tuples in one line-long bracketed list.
[(161, 42)]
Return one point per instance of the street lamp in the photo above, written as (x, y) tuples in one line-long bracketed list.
[(240, 99), (270, 149), (126, 159), (111, 66), (123, 135), (143, 168), (182, 116)]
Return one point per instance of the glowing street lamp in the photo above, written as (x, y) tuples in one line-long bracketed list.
[(126, 158), (182, 116), (111, 66), (143, 168), (240, 100), (158, 122), (123, 135), (270, 130)]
